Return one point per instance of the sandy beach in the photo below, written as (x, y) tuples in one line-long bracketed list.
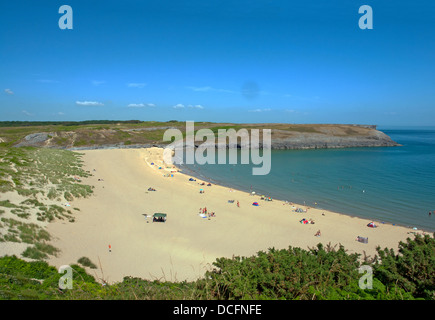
[(185, 246)]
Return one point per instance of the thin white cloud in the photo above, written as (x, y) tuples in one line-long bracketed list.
[(136, 105), (210, 89), (136, 85), (198, 106), (178, 106), (27, 113), (140, 105), (89, 103), (260, 110), (202, 89), (9, 91)]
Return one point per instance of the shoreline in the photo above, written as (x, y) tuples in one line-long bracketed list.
[(185, 246), (197, 175)]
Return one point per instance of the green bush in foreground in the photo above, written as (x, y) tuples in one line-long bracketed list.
[(413, 269), (84, 261), (293, 273)]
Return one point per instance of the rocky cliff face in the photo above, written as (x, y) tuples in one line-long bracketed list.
[(318, 137), (372, 138)]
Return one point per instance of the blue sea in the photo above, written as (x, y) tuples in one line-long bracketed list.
[(394, 185)]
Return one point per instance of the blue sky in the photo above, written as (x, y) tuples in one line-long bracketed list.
[(220, 61)]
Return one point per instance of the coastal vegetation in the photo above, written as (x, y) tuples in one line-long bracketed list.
[(320, 273), (100, 133), (37, 184)]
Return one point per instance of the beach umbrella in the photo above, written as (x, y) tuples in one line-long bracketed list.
[(255, 203)]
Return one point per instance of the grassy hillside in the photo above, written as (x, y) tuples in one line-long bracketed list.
[(99, 132)]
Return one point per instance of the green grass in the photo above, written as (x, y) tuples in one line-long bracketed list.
[(25, 232), (86, 262), (6, 185), (32, 202), (7, 204), (29, 171), (80, 143), (90, 133), (40, 167), (40, 251)]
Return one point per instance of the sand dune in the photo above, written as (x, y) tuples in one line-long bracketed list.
[(184, 247)]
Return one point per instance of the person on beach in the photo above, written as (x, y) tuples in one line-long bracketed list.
[(110, 248), (317, 233), (238, 204)]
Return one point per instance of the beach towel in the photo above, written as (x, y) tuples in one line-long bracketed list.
[(362, 239)]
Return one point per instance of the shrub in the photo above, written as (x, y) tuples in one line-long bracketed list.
[(68, 196), (284, 274), (40, 251), (412, 269), (84, 261)]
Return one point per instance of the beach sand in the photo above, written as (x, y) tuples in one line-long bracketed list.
[(186, 245)]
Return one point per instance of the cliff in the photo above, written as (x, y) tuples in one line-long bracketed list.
[(332, 136)]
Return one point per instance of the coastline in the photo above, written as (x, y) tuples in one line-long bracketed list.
[(197, 175), (187, 244)]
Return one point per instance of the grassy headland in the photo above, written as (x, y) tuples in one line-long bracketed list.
[(87, 134)]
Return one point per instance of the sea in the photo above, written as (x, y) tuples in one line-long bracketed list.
[(394, 185)]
